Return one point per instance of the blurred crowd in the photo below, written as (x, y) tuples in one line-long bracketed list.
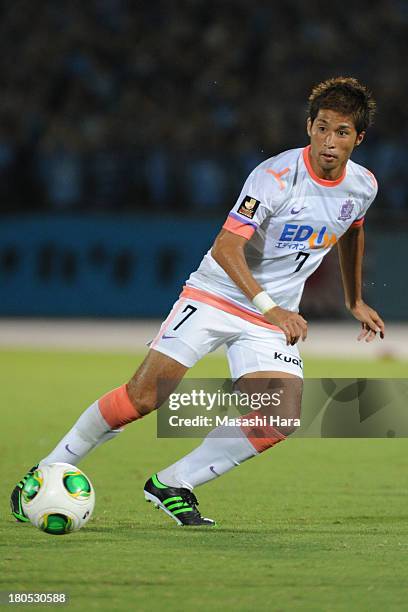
[(114, 105)]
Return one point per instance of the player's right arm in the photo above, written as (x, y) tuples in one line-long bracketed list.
[(228, 251)]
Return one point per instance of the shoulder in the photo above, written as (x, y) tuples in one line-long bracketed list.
[(277, 173), (363, 177)]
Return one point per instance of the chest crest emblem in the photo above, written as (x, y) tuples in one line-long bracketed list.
[(346, 210)]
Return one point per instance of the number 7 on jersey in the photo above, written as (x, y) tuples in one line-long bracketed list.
[(302, 262)]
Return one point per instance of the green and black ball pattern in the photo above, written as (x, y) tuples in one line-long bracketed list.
[(32, 486), (77, 485), (56, 524)]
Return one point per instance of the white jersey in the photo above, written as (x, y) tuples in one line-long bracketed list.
[(292, 219)]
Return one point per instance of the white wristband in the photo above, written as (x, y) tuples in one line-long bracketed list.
[(263, 302)]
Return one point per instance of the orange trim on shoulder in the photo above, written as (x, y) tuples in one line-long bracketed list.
[(211, 299), (317, 179), (372, 177), (358, 223), (278, 176), (238, 227)]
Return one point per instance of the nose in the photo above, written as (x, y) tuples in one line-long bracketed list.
[(328, 141)]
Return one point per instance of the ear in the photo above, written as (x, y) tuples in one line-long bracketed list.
[(309, 126), (359, 139)]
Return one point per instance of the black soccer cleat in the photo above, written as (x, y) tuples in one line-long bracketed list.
[(15, 499), (181, 504)]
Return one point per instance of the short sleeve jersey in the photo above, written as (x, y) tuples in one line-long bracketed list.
[(291, 218)]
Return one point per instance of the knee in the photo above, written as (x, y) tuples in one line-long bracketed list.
[(288, 422), (286, 430)]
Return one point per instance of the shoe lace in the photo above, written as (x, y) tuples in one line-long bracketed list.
[(190, 499)]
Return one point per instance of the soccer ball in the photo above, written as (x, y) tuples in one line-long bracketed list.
[(58, 498)]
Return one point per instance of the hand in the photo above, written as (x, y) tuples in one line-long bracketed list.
[(293, 325), (371, 322)]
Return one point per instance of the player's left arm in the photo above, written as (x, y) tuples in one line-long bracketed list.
[(351, 252)]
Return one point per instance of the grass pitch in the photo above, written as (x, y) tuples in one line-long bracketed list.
[(313, 524)]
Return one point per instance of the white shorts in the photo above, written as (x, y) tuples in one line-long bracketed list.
[(193, 329)]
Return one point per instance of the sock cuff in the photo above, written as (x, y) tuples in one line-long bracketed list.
[(117, 409), (262, 438)]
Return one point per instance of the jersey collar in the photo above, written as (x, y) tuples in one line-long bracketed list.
[(313, 175)]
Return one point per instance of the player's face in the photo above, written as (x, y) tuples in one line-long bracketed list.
[(332, 138)]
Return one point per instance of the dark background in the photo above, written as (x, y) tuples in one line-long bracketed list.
[(119, 110)]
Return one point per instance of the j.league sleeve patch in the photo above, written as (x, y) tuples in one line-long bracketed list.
[(248, 207)]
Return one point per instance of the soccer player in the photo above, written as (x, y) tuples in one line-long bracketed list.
[(292, 210)]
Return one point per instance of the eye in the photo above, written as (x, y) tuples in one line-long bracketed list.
[(321, 128), (343, 133)]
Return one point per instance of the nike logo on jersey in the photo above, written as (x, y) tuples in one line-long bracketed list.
[(295, 212), (213, 470), (165, 337), (70, 451)]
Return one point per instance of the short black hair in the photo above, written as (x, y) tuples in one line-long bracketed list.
[(344, 95)]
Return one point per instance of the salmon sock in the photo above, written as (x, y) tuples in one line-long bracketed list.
[(117, 409), (261, 437), (224, 448), (102, 421)]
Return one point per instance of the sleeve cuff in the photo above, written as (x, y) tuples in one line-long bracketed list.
[(358, 222), (242, 228)]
